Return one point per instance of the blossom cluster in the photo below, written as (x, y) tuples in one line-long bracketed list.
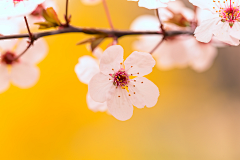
[(116, 85)]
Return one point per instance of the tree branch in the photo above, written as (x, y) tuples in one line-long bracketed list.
[(93, 31)]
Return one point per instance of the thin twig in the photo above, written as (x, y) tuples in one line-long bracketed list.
[(108, 14), (29, 45), (66, 16), (159, 43), (31, 37), (28, 29), (160, 21)]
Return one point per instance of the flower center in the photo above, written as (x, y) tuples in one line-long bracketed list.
[(120, 78), (8, 58), (228, 12)]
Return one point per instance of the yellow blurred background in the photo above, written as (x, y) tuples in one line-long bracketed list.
[(196, 118)]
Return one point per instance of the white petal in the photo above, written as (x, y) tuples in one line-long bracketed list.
[(98, 53), (8, 9), (99, 86), (202, 56), (139, 63), (4, 78), (146, 92), (145, 23), (235, 31), (151, 4), (222, 33), (86, 69), (24, 75), (35, 54), (119, 104), (91, 2), (204, 32), (111, 59), (168, 55), (204, 4), (96, 106)]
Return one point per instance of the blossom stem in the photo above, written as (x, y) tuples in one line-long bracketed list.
[(115, 39), (31, 37), (28, 28), (66, 16), (161, 24), (93, 31), (108, 14), (29, 45), (159, 43)]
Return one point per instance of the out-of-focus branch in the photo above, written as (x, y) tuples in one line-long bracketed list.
[(107, 14), (93, 31)]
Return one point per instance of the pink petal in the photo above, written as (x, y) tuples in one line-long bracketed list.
[(86, 69), (91, 2), (222, 33), (204, 4), (204, 32), (146, 92), (4, 78), (203, 56), (145, 23), (35, 54), (8, 9), (111, 59), (99, 87), (96, 106), (139, 63), (24, 75), (119, 104), (151, 4)]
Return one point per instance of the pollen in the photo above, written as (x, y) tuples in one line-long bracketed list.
[(228, 11), (121, 78)]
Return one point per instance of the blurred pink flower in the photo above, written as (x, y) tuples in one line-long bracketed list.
[(91, 2), (114, 86), (86, 68), (9, 9), (223, 22), (178, 51), (22, 72), (152, 4)]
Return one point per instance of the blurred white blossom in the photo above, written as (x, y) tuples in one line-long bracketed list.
[(22, 72), (91, 2), (114, 86), (86, 68), (10, 9), (222, 22), (152, 4)]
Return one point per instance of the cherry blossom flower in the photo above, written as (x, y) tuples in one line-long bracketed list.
[(91, 2), (152, 4), (86, 68), (21, 72), (9, 9), (223, 22), (178, 51), (114, 86)]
